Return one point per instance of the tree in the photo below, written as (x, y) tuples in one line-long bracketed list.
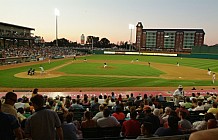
[(104, 43), (95, 40)]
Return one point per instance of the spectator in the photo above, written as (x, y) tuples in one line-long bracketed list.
[(214, 109), (95, 106), (137, 101), (166, 114), (212, 123), (86, 102), (131, 128), (211, 134), (107, 120), (150, 117), (202, 125), (120, 99), (199, 107), (44, 123), (69, 129), (19, 103), (188, 103), (156, 112), (208, 105), (76, 105), (183, 123), (9, 126), (100, 99), (119, 115), (182, 108), (161, 98), (193, 96), (131, 98), (99, 114), (172, 130), (146, 130), (88, 122), (35, 92), (8, 106), (112, 95)]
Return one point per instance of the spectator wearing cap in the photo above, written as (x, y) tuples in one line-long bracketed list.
[(150, 117), (44, 123), (9, 126), (8, 106), (131, 128), (178, 95), (182, 108)]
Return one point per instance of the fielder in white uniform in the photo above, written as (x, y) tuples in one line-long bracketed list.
[(105, 65), (213, 78), (209, 72)]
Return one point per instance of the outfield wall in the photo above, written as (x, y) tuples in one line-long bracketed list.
[(193, 55), (204, 56), (205, 49)]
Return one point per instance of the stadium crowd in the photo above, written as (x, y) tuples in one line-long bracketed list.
[(43, 117), (37, 51)]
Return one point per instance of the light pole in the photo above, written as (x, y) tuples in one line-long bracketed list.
[(131, 27), (92, 44), (57, 13)]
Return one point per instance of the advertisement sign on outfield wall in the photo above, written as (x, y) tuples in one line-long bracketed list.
[(137, 53)]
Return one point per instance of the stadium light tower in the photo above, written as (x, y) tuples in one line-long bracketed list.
[(57, 13), (131, 27)]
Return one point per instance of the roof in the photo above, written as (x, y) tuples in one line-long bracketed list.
[(7, 24), (177, 30)]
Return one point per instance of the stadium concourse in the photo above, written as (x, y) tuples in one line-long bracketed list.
[(117, 93)]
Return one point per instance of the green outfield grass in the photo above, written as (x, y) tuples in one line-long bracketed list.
[(126, 68)]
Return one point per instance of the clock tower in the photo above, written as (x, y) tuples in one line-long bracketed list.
[(139, 36)]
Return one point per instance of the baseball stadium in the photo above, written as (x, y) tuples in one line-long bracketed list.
[(167, 75)]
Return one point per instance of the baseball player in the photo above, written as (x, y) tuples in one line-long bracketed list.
[(213, 78), (105, 65)]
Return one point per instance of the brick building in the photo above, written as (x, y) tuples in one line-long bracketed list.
[(168, 39)]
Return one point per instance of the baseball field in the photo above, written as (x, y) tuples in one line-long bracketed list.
[(123, 72)]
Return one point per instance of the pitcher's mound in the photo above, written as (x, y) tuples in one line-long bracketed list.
[(39, 75)]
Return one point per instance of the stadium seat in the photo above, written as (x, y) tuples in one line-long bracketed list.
[(176, 137)]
